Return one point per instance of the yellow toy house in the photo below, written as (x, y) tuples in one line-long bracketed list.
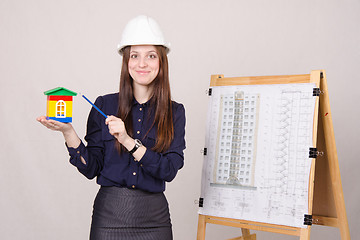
[(59, 104)]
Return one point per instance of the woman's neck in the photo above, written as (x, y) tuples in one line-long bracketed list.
[(142, 94)]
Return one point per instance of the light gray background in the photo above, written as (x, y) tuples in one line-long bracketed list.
[(47, 43)]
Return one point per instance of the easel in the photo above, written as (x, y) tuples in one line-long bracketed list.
[(326, 200)]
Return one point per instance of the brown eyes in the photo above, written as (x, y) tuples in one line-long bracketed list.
[(150, 56)]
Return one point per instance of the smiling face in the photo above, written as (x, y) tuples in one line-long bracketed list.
[(143, 65)]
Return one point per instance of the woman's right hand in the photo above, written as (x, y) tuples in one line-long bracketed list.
[(54, 125), (71, 138)]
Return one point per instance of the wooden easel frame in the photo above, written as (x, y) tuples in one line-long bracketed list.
[(326, 200)]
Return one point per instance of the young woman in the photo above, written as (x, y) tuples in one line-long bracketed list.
[(138, 147)]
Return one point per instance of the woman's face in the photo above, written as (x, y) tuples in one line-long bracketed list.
[(143, 64)]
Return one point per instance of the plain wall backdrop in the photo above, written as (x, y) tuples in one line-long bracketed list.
[(45, 44)]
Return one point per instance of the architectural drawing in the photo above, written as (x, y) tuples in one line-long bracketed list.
[(235, 156), (257, 164)]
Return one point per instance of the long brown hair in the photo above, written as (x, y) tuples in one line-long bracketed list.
[(161, 103)]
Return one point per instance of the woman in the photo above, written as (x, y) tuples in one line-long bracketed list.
[(138, 147)]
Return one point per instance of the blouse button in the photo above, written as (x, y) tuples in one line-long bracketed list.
[(139, 120), (133, 186), (141, 165), (140, 109), (78, 152), (134, 173), (138, 132)]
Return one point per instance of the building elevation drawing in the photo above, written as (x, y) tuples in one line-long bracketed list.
[(257, 161), (235, 155)]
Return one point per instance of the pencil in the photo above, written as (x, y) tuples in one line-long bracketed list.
[(98, 109)]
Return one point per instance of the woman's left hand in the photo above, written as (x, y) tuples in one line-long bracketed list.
[(117, 128)]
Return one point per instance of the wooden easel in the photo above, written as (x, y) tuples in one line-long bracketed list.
[(326, 200)]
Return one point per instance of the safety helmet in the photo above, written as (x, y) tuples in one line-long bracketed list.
[(142, 30)]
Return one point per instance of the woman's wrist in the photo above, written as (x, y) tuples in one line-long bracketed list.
[(71, 137), (139, 152), (129, 143), (68, 132)]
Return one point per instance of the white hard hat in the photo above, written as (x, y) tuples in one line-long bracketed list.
[(142, 30)]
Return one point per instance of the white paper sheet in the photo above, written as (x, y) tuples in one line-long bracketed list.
[(257, 164)]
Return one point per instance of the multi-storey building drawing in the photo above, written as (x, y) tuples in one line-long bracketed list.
[(236, 140), (256, 164)]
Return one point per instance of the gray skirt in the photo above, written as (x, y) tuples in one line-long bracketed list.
[(130, 214)]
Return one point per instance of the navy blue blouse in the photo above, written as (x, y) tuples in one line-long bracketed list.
[(113, 169)]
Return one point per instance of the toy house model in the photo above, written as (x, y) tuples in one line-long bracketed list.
[(59, 104)]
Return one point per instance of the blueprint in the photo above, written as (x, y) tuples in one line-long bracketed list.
[(257, 164)]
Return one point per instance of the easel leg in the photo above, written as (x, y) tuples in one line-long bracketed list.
[(305, 233), (246, 234), (333, 160), (201, 228)]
